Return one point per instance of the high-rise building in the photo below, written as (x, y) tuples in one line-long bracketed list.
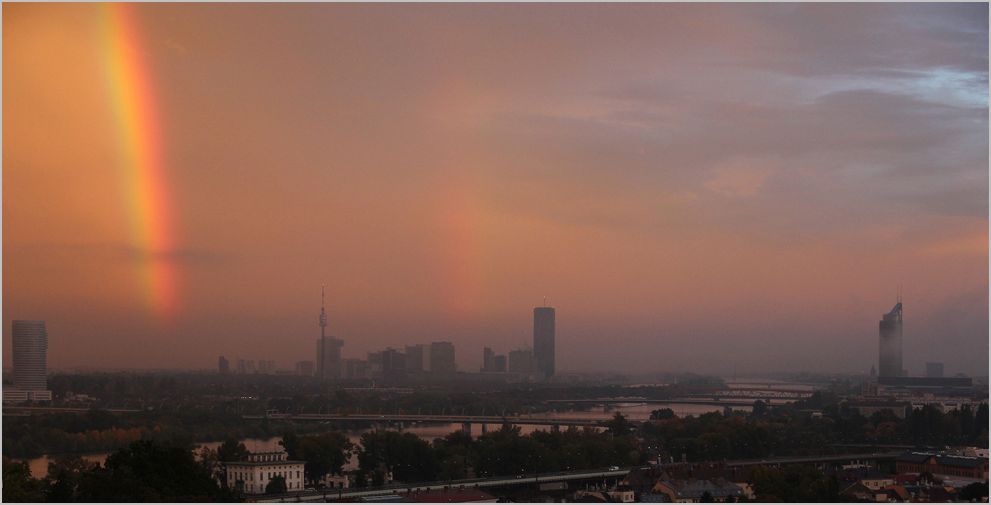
[(442, 358), (417, 358), (522, 361), (304, 368), (328, 348), (29, 341), (890, 343), (543, 340), (499, 363), (223, 366), (488, 358), (934, 370)]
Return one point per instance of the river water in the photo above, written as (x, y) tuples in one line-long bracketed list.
[(632, 411)]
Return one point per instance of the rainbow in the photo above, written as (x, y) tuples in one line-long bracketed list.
[(143, 169)]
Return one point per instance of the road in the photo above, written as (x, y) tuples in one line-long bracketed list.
[(319, 496)]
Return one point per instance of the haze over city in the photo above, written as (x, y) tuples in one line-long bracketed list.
[(693, 187)]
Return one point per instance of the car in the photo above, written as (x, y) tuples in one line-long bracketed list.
[(613, 468)]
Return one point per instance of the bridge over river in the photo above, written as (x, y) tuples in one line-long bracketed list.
[(466, 421)]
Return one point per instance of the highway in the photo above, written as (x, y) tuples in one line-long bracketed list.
[(319, 496)]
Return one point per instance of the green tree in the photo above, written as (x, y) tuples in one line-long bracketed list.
[(409, 458), (277, 485), (149, 471), (324, 453), (18, 485)]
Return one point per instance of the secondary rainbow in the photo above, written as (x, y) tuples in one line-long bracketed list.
[(143, 168)]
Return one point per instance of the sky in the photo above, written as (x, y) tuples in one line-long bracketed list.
[(713, 188)]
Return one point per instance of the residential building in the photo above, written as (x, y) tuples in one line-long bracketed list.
[(693, 491), (328, 365), (304, 368), (543, 340), (488, 360), (223, 366), (942, 465), (356, 369), (253, 475), (442, 358), (29, 346), (499, 363), (417, 358)]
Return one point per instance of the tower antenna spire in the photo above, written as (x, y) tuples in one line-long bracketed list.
[(323, 312)]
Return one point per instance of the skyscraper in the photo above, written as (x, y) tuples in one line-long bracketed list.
[(890, 343), (223, 366), (488, 358), (543, 340), (328, 348), (30, 356)]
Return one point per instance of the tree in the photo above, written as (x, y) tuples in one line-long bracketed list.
[(618, 425), (232, 450), (149, 471), (977, 491), (277, 485), (324, 453), (64, 475), (409, 458), (18, 485), (661, 414)]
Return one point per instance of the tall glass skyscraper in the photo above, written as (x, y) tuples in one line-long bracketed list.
[(890, 343), (29, 341), (543, 340)]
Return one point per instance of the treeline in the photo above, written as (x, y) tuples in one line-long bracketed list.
[(792, 431), (100, 431), (144, 471)]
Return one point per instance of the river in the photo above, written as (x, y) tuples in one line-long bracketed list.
[(632, 411)]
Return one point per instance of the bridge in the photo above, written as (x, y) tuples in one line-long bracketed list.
[(26, 411), (713, 401), (829, 458), (466, 421), (313, 495)]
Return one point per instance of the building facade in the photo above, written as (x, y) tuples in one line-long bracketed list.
[(543, 340), (521, 361), (253, 475), (329, 357), (30, 357), (890, 343), (442, 358)]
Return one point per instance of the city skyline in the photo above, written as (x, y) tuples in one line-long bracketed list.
[(697, 188)]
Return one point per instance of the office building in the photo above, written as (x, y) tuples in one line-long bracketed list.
[(304, 368), (543, 340), (934, 370), (488, 358), (890, 343), (442, 358), (223, 366), (521, 361), (356, 369), (417, 358), (499, 363), (29, 347)]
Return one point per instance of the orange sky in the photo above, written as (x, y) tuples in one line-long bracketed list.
[(694, 187)]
